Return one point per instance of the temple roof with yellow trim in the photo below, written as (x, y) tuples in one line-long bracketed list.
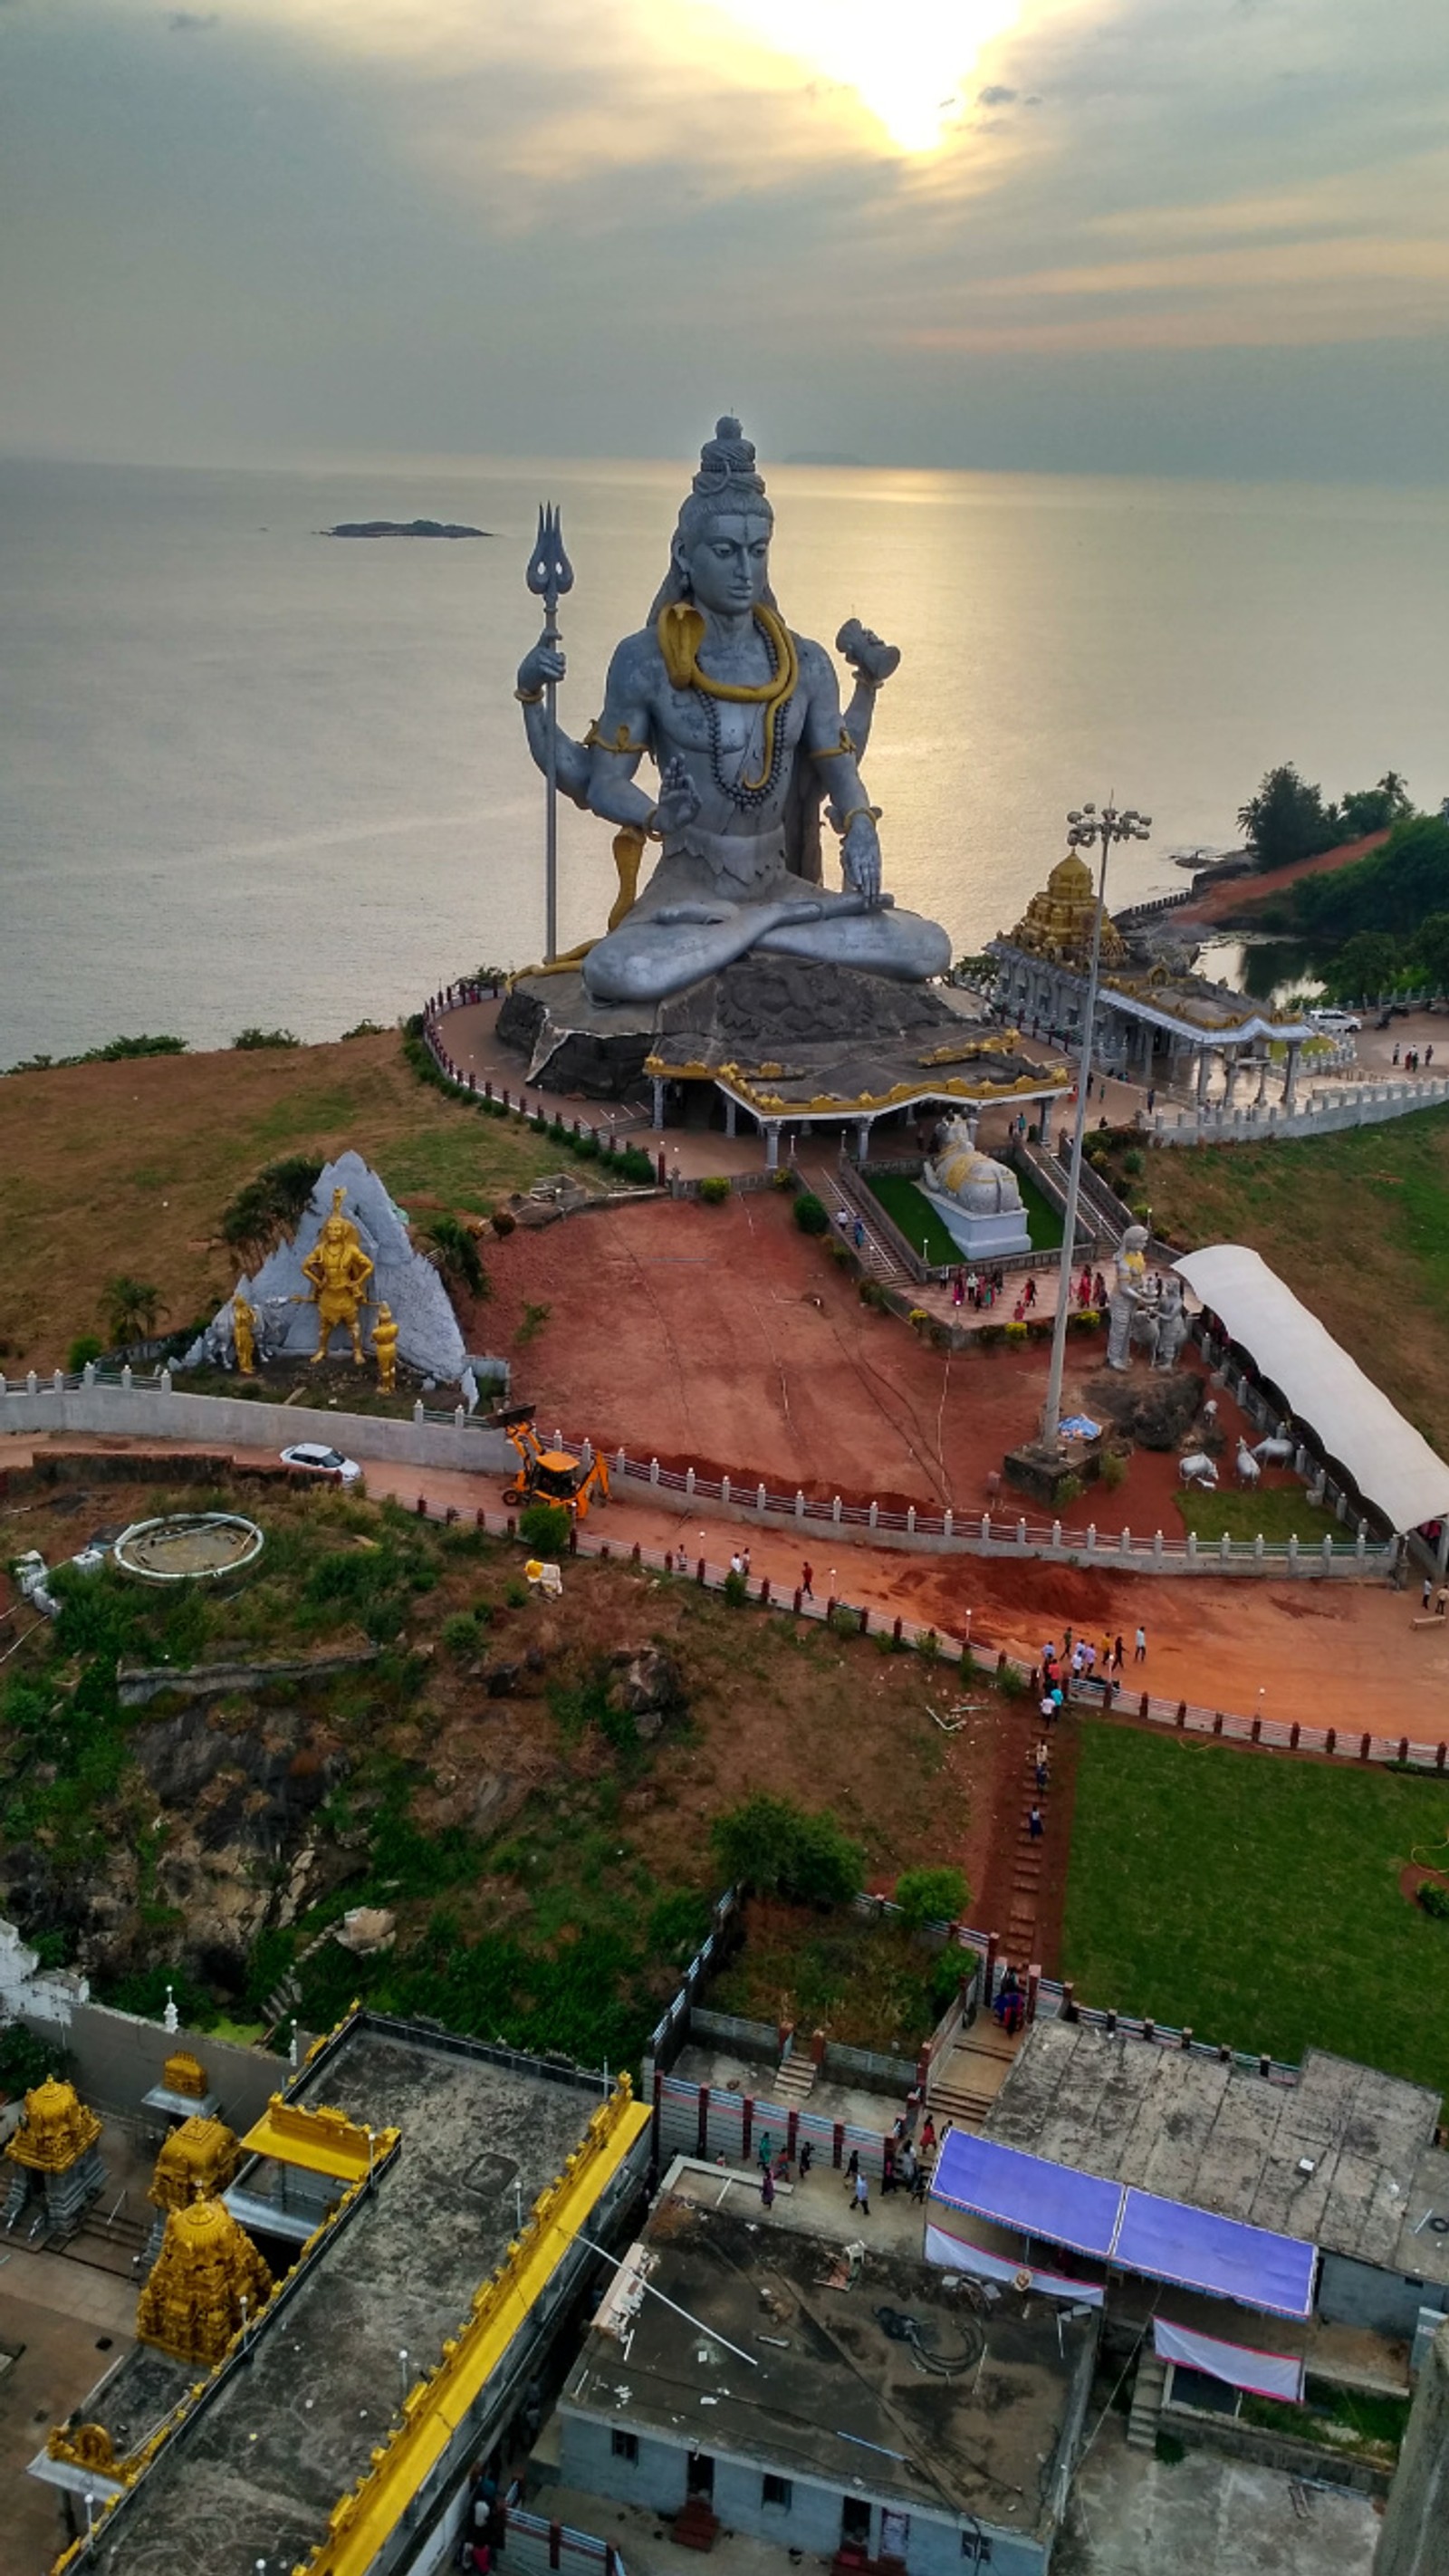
[(1058, 922)]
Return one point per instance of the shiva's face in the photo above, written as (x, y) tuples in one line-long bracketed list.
[(728, 563)]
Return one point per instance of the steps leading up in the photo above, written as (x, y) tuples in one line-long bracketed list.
[(1146, 2413)]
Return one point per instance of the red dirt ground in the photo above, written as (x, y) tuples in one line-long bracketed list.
[(724, 1339), (1239, 894)]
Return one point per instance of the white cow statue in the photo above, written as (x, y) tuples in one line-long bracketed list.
[(1276, 1452), (1248, 1468), (1197, 1468)]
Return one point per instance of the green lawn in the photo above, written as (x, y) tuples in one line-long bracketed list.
[(923, 1229), (1257, 1899), (1277, 1514)]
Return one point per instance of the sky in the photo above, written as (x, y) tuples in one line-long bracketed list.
[(1134, 236)]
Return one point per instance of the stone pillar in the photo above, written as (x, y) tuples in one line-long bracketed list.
[(657, 1083), (1204, 1075), (1290, 1078), (862, 1139), (1414, 2540), (729, 1102), (772, 1146), (1263, 1084)]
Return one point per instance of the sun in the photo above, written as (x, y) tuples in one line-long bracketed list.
[(906, 61)]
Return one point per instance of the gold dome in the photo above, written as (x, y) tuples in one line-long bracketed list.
[(56, 2131), (192, 2304), (1057, 923)]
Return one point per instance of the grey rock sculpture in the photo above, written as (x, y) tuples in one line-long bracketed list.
[(428, 1336), (743, 721)]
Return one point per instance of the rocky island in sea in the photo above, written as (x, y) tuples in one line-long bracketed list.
[(401, 528)]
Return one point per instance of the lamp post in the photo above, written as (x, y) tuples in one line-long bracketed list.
[(1083, 828)]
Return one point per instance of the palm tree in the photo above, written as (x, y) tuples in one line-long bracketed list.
[(132, 1309)]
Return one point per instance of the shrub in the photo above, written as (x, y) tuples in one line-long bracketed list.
[(1069, 1490), (811, 1214), (1015, 1332), (844, 1621), (364, 1029), (840, 1253), (991, 1336), (782, 1180), (453, 1252), (460, 1633), (635, 1166), (271, 1205), (872, 1294), (714, 1191), (536, 1312), (1114, 1470), (918, 1316), (544, 1528), (1011, 1683), (247, 1039), (1142, 1210), (1435, 1900), (586, 1147), (736, 1590), (928, 1646), (1133, 1162), (85, 1348), (931, 1896), (780, 1849), (503, 1222)]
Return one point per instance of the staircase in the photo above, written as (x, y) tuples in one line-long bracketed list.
[(795, 2078), (109, 2244), (696, 2525), (1146, 2413), (972, 2074)]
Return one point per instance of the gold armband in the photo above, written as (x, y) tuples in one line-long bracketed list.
[(842, 750), (842, 827), (528, 697), (627, 750)]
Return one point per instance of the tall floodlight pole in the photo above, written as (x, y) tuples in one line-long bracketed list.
[(550, 575), (1082, 830)]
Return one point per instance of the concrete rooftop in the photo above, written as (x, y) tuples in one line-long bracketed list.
[(1193, 2129), (978, 2433), (256, 2474)]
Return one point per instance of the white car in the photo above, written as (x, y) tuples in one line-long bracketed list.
[(314, 1460), (1336, 1024)]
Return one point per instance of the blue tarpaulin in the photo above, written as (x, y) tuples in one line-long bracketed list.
[(1171, 2242), (1023, 2191), (1167, 2240)]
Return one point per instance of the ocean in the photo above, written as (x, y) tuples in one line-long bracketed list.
[(253, 775)]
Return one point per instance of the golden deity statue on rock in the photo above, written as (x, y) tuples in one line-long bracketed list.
[(339, 1271)]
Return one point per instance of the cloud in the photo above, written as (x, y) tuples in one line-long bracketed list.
[(996, 94), (187, 22)]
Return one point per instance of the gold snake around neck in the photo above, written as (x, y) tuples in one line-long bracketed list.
[(680, 630)]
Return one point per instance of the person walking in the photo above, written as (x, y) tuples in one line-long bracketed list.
[(1427, 1594), (767, 2188), (852, 2173), (1035, 1824), (807, 1581), (745, 1563), (1139, 1652), (807, 2159), (862, 2194), (1441, 1600), (1117, 1656), (1043, 1769)]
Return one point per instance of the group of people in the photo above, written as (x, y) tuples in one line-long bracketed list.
[(1081, 1660), (907, 2164), (1091, 1290), (979, 1288), (1413, 1060)]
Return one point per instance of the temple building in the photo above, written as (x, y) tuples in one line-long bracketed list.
[(1156, 1024)]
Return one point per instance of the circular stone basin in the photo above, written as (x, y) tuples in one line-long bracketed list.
[(189, 1547)]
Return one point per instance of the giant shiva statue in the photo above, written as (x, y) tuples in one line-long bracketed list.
[(742, 720)]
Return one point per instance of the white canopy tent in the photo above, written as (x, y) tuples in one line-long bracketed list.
[(1392, 1465)]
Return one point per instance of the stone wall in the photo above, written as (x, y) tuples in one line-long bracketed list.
[(149, 1409), (1415, 2537)]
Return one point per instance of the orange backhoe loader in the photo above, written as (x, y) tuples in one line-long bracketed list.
[(550, 1475)]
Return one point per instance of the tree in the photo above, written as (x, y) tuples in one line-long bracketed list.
[(132, 1309), (1367, 964), (270, 1206), (783, 1850), (1429, 951), (931, 1896), (1287, 819), (454, 1254), (1373, 809)]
